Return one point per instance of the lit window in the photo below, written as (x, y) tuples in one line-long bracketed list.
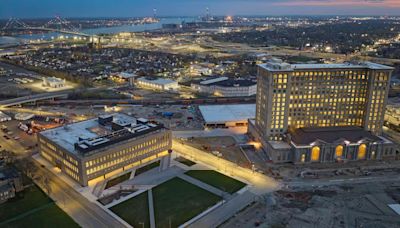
[(362, 150), (315, 153), (339, 151)]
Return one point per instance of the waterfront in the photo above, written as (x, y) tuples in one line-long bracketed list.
[(7, 40)]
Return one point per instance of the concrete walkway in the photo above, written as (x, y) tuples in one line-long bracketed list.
[(224, 212), (212, 189), (151, 209)]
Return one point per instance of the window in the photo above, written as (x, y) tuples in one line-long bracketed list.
[(315, 153), (362, 150), (339, 151), (303, 158)]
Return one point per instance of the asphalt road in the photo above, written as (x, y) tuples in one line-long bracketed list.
[(84, 212)]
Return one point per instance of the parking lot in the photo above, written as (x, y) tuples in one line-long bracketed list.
[(18, 82)]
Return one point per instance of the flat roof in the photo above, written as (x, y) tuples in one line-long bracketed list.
[(159, 81), (228, 82), (66, 136), (274, 66), (352, 134), (218, 114)]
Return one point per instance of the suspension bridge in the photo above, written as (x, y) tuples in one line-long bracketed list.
[(56, 24)]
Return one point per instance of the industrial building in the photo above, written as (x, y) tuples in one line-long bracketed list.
[(392, 115), (322, 112), (227, 115), (157, 83), (4, 117), (105, 146), (226, 87), (53, 82)]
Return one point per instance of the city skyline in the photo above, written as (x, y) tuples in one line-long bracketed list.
[(125, 8)]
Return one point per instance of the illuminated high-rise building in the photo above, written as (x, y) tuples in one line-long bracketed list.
[(302, 105)]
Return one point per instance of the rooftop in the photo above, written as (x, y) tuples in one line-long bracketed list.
[(160, 81), (226, 82), (99, 132), (306, 136), (226, 113), (280, 66)]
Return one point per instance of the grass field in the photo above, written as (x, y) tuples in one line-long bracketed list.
[(134, 211), (217, 180), (177, 201), (33, 208), (118, 180)]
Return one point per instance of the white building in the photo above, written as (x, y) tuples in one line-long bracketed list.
[(227, 115), (4, 117), (53, 82), (225, 87), (128, 77), (157, 83)]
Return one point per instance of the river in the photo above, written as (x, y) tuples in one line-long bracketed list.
[(7, 40)]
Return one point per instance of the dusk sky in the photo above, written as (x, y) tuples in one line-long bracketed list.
[(132, 8)]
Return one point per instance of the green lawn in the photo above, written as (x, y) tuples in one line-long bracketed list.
[(118, 180), (49, 216), (134, 210), (178, 201), (32, 208), (147, 168), (217, 180)]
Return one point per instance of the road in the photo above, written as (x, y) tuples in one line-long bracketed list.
[(259, 184), (84, 212), (354, 180)]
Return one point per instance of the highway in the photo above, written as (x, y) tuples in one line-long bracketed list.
[(32, 98)]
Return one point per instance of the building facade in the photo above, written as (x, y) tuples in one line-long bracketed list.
[(105, 147), (157, 83), (225, 87), (292, 97)]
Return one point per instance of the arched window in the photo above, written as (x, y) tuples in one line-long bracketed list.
[(362, 151), (315, 153), (339, 151)]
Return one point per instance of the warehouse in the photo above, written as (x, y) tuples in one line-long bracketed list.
[(227, 115)]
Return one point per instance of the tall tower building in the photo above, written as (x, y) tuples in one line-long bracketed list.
[(301, 105)]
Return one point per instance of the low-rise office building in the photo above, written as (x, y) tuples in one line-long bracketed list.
[(105, 146), (157, 83), (225, 87)]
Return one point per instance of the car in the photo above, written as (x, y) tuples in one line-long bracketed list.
[(6, 137), (16, 138)]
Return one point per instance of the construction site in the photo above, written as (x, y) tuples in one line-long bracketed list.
[(347, 205)]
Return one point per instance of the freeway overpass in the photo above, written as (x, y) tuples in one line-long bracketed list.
[(32, 99)]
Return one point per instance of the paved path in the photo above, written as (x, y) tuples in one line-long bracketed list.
[(205, 186), (259, 184), (224, 212), (151, 209)]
